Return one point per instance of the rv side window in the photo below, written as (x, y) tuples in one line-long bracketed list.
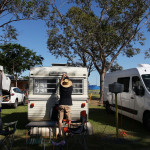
[(77, 86), (125, 81), (44, 86), (137, 86), (136, 83), (146, 79)]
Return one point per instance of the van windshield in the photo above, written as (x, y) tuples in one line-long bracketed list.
[(146, 79)]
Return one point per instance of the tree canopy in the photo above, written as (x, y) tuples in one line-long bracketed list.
[(99, 29), (16, 58), (17, 10)]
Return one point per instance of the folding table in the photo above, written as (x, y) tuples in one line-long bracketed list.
[(39, 124)]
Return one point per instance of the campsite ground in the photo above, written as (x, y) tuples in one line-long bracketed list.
[(104, 130)]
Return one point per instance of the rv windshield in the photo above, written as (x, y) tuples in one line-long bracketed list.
[(146, 79)]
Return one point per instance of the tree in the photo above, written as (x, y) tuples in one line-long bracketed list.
[(9, 33), (147, 53), (17, 10), (115, 67), (16, 59), (102, 32), (25, 77), (75, 56)]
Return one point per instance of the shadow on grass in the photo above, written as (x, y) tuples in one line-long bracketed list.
[(21, 117), (133, 128), (95, 98), (100, 115), (94, 142), (98, 142), (140, 139), (20, 144)]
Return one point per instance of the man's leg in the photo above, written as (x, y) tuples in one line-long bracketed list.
[(60, 125), (68, 113)]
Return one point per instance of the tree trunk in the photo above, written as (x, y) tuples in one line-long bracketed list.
[(16, 78), (16, 82), (102, 77), (0, 98)]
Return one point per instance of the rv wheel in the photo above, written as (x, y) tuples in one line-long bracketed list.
[(107, 106), (146, 121)]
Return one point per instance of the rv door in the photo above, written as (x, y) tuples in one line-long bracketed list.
[(124, 99), (137, 98)]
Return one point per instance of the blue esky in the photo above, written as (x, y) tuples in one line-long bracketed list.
[(33, 35)]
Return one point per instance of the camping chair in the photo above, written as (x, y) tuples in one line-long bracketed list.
[(8, 131), (60, 145), (77, 134)]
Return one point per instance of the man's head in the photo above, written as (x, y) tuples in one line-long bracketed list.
[(66, 82)]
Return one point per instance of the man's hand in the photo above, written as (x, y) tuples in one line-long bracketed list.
[(64, 75)]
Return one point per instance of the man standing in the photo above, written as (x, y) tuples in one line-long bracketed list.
[(65, 100)]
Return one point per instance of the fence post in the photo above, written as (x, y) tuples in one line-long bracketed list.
[(116, 88), (116, 104)]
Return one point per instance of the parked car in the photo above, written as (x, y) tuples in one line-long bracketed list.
[(15, 97)]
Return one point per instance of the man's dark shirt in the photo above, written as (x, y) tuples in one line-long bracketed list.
[(65, 95)]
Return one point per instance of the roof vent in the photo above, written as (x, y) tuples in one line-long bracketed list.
[(59, 64)]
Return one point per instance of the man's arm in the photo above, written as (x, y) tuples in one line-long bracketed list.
[(62, 78)]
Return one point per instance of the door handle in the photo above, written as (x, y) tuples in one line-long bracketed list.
[(132, 97)]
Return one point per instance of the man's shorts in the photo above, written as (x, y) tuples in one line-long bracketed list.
[(64, 109)]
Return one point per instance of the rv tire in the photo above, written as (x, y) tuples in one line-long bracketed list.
[(146, 121), (108, 109)]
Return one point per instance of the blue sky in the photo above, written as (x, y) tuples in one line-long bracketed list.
[(32, 34)]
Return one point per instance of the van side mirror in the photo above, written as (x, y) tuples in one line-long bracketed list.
[(139, 90)]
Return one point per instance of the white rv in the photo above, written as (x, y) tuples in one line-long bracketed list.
[(44, 91), (4, 88), (134, 101), (4, 81)]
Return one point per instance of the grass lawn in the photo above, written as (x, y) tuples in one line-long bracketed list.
[(94, 94), (104, 137)]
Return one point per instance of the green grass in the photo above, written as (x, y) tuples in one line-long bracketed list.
[(104, 137), (105, 131), (95, 94)]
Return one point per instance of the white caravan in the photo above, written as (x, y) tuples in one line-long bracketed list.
[(4, 81), (4, 87), (134, 101), (44, 91)]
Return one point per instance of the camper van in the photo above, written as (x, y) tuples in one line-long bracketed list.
[(134, 101), (44, 91)]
